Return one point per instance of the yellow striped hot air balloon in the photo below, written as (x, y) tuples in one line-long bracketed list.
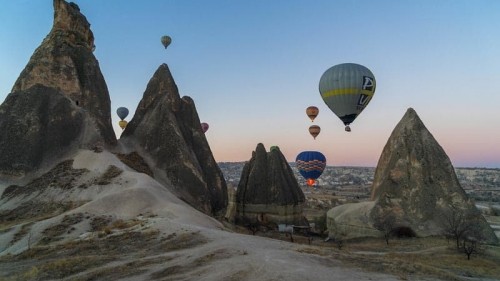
[(122, 124), (347, 89)]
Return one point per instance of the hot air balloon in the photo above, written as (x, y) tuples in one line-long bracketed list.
[(347, 89), (122, 124), (204, 127), (312, 112), (314, 130), (311, 165), (122, 112), (166, 40)]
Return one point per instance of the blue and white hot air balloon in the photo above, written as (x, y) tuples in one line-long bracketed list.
[(311, 165)]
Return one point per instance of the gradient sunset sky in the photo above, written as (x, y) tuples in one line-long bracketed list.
[(252, 67)]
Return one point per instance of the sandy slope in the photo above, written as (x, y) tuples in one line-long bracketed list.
[(222, 256)]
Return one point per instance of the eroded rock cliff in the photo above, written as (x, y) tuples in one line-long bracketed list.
[(166, 130), (415, 183), (65, 62), (60, 100), (268, 190)]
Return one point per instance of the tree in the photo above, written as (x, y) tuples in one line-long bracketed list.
[(460, 224), (385, 222), (471, 246)]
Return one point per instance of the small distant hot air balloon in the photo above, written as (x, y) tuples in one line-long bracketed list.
[(314, 130), (312, 112), (166, 40), (122, 112), (204, 127), (122, 124), (347, 89), (311, 165)]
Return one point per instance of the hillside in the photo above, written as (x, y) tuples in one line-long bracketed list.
[(125, 225)]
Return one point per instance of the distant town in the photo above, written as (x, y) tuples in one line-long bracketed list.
[(354, 183)]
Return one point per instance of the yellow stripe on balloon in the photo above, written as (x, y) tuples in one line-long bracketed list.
[(348, 91)]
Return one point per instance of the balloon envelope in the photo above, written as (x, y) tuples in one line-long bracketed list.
[(311, 165), (122, 124), (312, 112), (122, 112), (314, 130), (204, 127), (347, 89), (166, 40)]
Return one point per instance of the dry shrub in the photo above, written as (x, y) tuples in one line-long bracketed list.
[(182, 241), (60, 268), (121, 224), (111, 172), (136, 162), (99, 223)]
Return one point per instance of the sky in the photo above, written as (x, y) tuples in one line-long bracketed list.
[(253, 67)]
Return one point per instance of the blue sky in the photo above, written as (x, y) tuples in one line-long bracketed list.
[(252, 67)]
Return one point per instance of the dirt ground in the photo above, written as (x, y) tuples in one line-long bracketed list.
[(133, 228), (123, 250)]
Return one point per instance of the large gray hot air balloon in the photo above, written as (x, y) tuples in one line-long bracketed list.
[(347, 89), (166, 40)]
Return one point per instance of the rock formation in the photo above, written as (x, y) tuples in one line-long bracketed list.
[(59, 101), (415, 181), (268, 190), (166, 129)]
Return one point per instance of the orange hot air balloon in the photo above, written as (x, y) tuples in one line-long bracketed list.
[(312, 112), (314, 130)]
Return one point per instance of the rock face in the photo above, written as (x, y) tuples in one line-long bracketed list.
[(166, 130), (268, 190), (414, 168), (416, 182), (59, 101)]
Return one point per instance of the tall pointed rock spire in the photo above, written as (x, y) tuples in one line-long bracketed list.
[(416, 180), (65, 62), (166, 129), (60, 100)]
